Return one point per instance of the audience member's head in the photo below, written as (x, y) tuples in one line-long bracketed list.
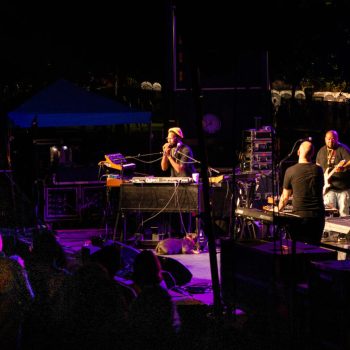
[(109, 258), (147, 269), (47, 249), (13, 281)]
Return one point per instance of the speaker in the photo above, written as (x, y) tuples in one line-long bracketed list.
[(154, 197), (178, 271)]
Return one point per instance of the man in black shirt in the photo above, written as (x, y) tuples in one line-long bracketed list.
[(304, 181)]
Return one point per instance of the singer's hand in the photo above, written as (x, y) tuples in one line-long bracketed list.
[(166, 149)]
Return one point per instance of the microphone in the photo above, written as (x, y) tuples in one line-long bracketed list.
[(177, 148), (214, 170)]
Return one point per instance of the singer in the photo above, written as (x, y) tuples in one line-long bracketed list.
[(176, 155)]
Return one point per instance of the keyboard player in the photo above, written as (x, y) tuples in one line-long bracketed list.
[(304, 181), (176, 155)]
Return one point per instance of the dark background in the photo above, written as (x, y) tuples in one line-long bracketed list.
[(240, 51), (42, 41)]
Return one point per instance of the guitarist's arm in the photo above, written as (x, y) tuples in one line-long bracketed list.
[(328, 174), (344, 167)]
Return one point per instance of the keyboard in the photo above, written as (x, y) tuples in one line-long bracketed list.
[(161, 180), (117, 161), (266, 216)]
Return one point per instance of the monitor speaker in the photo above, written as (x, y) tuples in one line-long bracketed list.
[(180, 273)]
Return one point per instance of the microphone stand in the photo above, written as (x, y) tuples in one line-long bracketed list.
[(139, 156), (189, 157), (210, 169), (143, 155), (279, 175)]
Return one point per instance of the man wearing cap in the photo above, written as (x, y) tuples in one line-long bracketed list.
[(177, 155)]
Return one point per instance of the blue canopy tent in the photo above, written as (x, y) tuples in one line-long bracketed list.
[(68, 107), (63, 104)]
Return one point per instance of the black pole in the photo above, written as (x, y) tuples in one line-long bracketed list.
[(206, 215)]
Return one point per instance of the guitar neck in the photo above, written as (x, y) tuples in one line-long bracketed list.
[(331, 173), (327, 176)]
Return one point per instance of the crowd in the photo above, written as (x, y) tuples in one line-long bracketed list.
[(46, 302)]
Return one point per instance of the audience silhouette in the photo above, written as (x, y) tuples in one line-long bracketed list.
[(15, 300), (153, 315)]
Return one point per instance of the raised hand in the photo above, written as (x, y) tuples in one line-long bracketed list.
[(166, 149)]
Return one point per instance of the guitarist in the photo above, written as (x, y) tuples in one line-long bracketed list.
[(334, 158)]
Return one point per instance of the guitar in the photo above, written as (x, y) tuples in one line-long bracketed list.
[(328, 174)]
